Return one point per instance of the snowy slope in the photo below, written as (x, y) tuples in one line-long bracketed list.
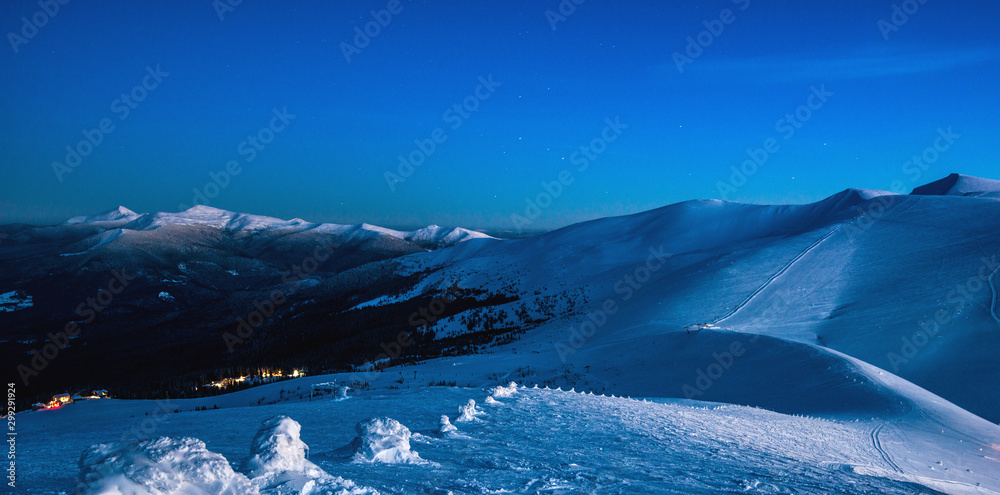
[(859, 273)]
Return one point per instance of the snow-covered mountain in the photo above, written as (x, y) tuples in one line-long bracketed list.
[(120, 215), (907, 283), (874, 314), (431, 237), (960, 185)]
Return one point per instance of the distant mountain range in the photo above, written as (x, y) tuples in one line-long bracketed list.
[(904, 283)]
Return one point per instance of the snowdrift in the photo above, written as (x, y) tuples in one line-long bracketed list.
[(504, 392), (278, 464), (164, 466), (386, 441), (468, 412)]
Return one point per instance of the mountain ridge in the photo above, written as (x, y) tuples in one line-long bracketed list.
[(851, 273)]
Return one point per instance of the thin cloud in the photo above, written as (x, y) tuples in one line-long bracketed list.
[(791, 70)]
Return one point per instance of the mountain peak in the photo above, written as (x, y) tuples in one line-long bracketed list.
[(959, 185), (205, 209), (120, 213)]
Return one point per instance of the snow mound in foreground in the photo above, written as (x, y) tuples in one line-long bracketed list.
[(446, 426), (504, 392), (165, 466), (278, 463), (169, 466), (277, 448), (384, 440), (468, 412)]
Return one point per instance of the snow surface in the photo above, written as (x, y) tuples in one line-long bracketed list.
[(542, 441)]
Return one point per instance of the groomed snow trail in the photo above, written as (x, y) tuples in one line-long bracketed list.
[(777, 274)]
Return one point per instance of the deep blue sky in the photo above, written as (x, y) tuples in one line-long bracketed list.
[(606, 60)]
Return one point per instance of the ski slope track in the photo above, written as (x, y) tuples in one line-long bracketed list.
[(777, 274), (877, 443)]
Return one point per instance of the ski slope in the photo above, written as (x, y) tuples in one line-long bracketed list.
[(774, 277)]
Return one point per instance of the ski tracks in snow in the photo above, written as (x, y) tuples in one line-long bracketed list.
[(777, 274), (877, 443)]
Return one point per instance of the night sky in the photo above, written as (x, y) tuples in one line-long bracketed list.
[(844, 93)]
